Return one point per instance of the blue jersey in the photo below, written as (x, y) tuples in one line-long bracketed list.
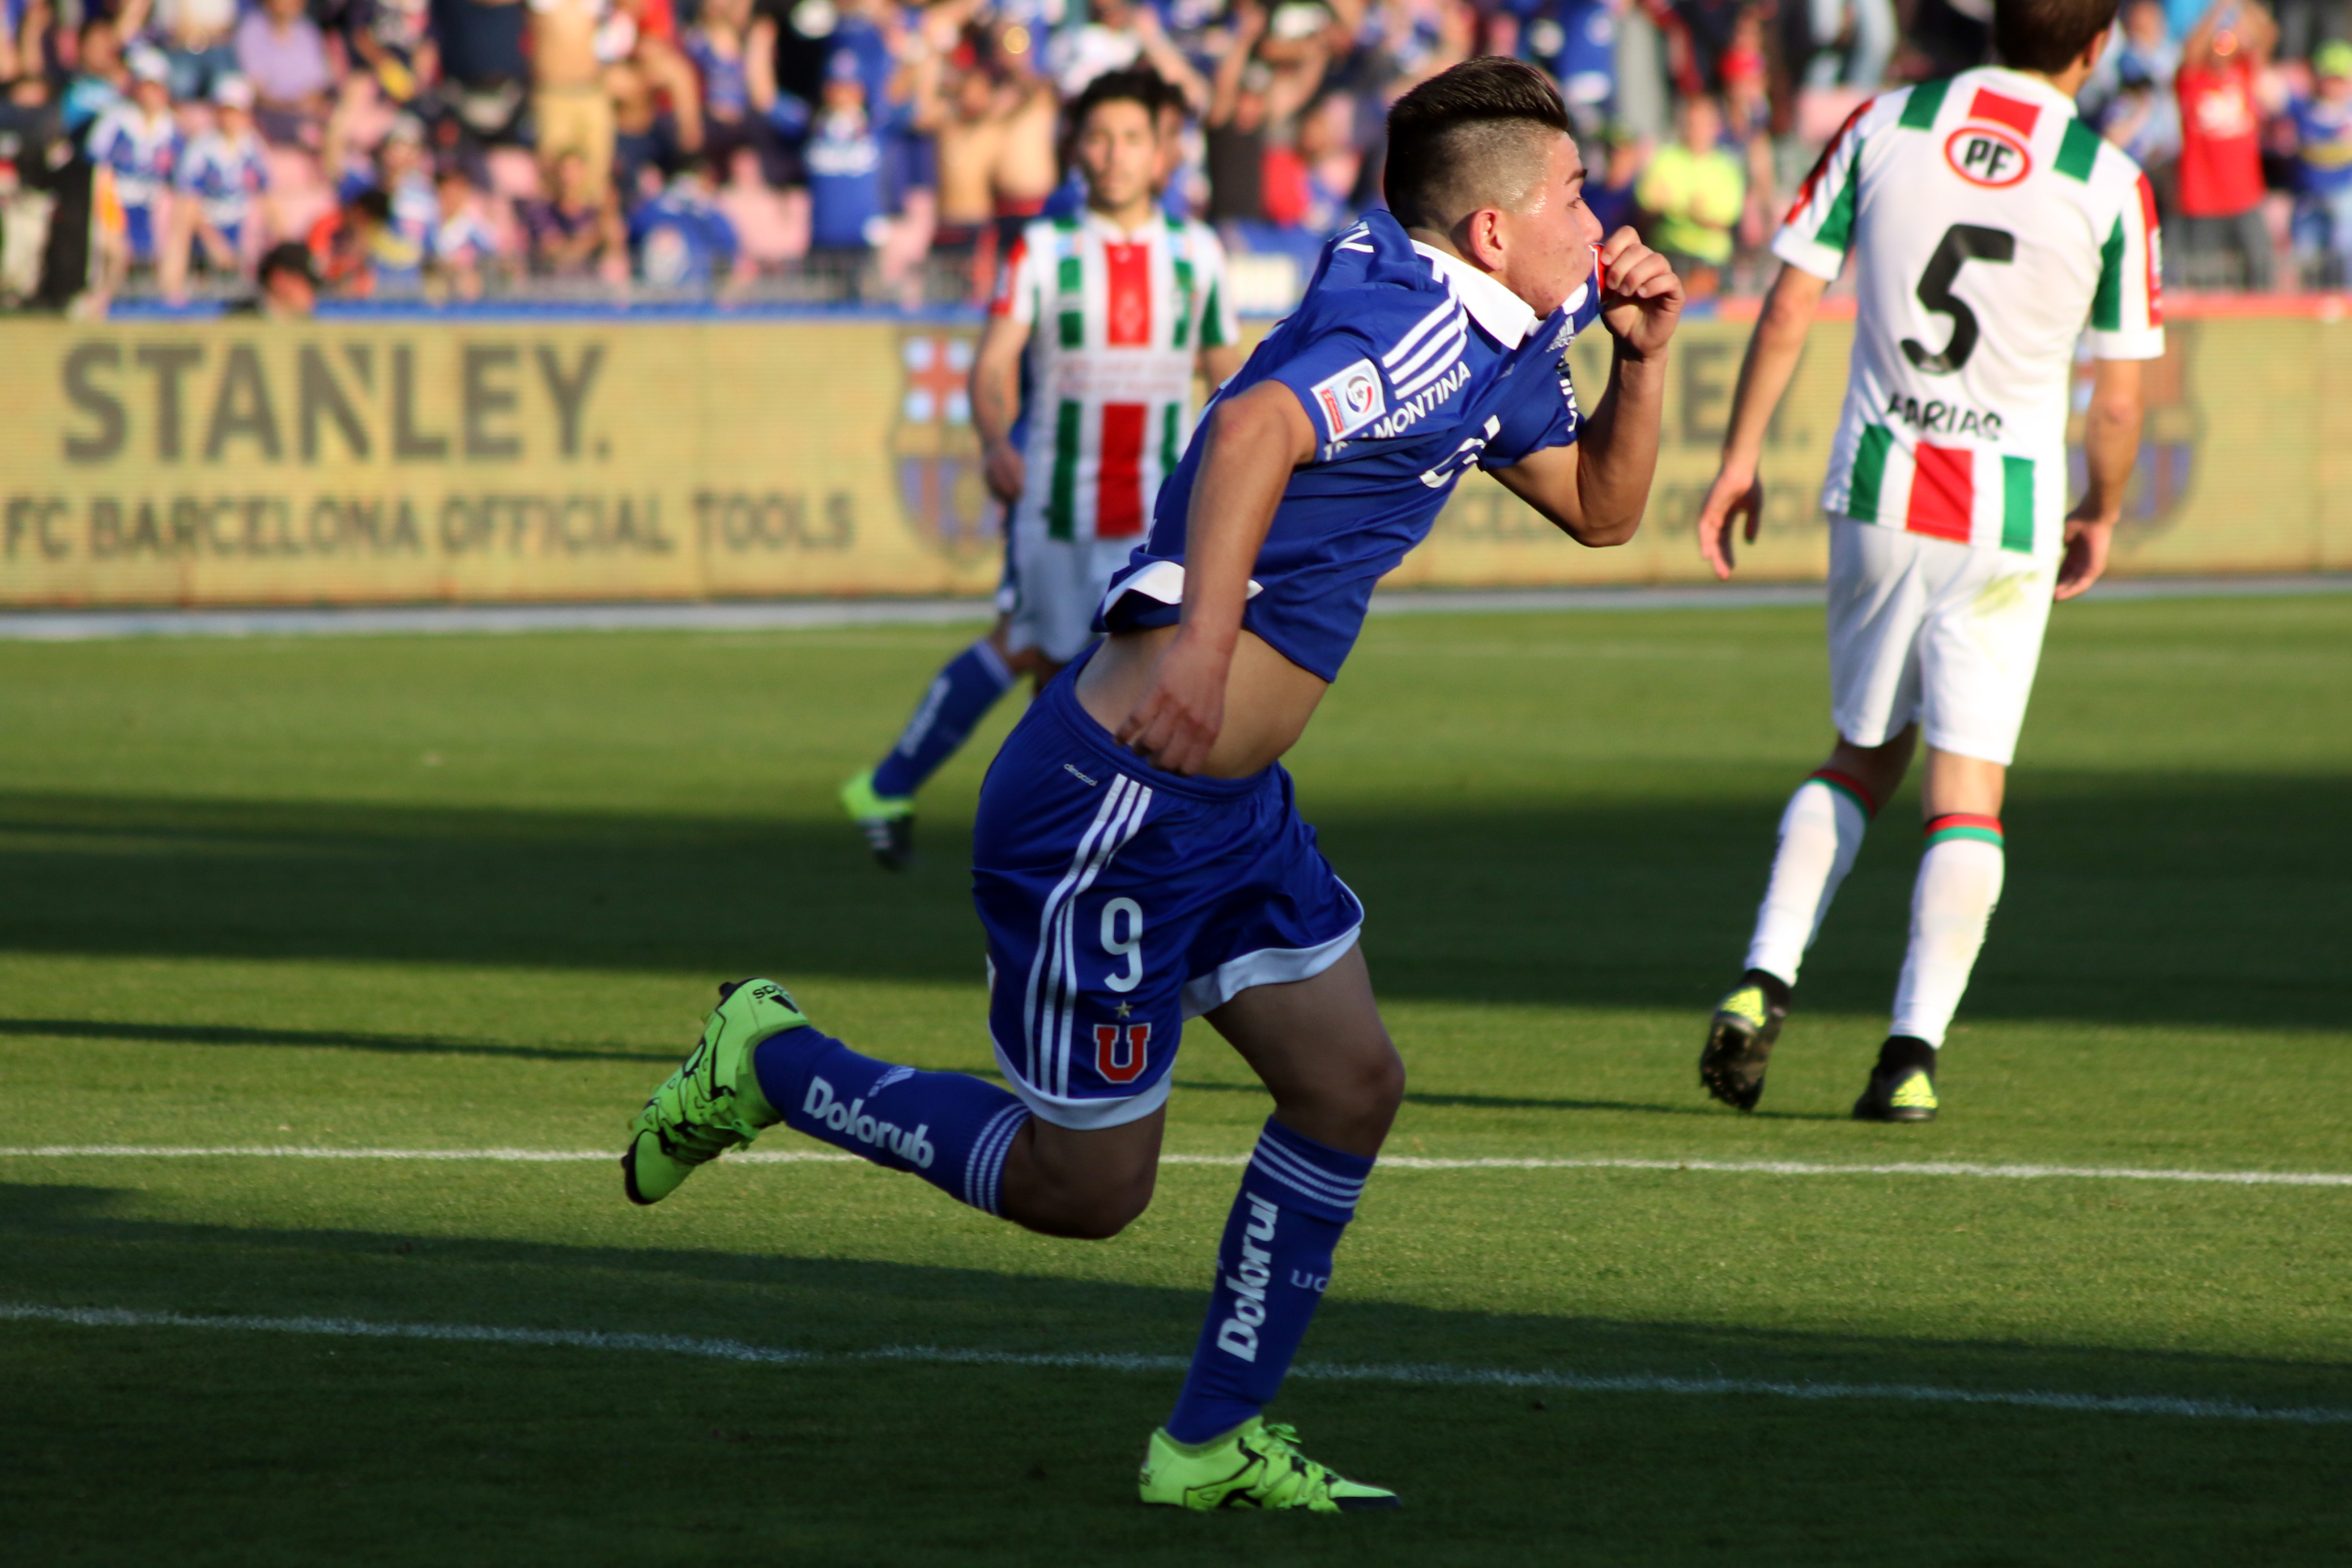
[(2323, 133), (1413, 367), (682, 239), (140, 151), (224, 175), (847, 189)]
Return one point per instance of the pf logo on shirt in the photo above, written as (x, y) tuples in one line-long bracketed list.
[(1988, 155), (1350, 398)]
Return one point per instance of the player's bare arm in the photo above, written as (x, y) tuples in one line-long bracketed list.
[(1735, 499), (2110, 445), (996, 404), (1168, 693), (1596, 490)]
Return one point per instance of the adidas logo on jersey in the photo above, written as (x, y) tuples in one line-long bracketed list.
[(850, 1118), (1237, 1335)]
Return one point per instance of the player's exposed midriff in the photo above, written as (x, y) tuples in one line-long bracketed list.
[(1268, 700)]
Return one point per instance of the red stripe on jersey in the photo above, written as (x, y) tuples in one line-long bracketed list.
[(1822, 163), (1990, 105), (1001, 303), (2154, 278), (1118, 485), (1943, 492), (1130, 271)]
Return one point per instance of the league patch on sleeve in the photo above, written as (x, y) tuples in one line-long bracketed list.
[(1350, 398)]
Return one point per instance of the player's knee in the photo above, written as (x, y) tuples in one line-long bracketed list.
[(1381, 1087), (1366, 1092), (1099, 1212)]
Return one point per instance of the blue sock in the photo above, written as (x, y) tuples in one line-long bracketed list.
[(948, 1128), (959, 697), (1296, 1198)]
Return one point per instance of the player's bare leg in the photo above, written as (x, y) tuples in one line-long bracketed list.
[(1085, 1184), (1319, 1047)]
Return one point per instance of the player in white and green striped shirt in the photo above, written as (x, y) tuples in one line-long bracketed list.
[(1991, 230), (1110, 313)]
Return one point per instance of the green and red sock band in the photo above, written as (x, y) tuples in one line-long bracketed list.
[(1849, 786), (1964, 825)]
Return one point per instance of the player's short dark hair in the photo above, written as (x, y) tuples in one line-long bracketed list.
[(1470, 137), (2047, 35), (1135, 85)]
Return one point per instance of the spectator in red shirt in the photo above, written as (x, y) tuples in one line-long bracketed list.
[(2220, 167)]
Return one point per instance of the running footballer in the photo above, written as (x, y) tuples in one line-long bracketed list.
[(1140, 858)]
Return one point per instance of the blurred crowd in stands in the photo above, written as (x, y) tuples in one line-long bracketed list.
[(879, 150)]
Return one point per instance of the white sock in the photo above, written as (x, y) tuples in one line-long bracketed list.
[(1960, 883), (1820, 833)]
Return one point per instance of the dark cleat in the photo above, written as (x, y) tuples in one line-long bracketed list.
[(1739, 1039), (1902, 1084)]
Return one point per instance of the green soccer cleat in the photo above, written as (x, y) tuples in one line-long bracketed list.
[(712, 1103), (1253, 1466), (1906, 1095), (1739, 1039), (886, 820)]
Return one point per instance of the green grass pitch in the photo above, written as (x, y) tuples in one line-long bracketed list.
[(473, 893)]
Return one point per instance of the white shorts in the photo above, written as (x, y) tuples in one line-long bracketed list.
[(1925, 630), (1052, 587)]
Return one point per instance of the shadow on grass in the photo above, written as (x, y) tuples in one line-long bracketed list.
[(65, 1246), (333, 1039), (274, 1448), (2139, 899), (1518, 1102)]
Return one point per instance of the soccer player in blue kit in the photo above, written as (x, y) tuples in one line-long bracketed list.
[(1140, 858)]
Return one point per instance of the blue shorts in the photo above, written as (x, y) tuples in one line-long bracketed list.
[(139, 232), (1121, 900)]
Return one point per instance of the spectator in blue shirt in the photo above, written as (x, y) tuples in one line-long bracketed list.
[(2323, 167), (844, 157), (680, 237), (1576, 42)]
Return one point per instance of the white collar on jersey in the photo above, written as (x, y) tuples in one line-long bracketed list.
[(1505, 315)]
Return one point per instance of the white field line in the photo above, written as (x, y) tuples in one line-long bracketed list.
[(1396, 1163), (1427, 1376)]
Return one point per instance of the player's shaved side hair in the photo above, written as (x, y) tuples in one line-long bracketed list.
[(1476, 136), (2047, 36)]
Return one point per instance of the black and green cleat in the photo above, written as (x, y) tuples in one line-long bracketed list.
[(1903, 1084), (886, 820), (1739, 1039)]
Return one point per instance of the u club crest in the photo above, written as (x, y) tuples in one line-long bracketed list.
[(1121, 1051)]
